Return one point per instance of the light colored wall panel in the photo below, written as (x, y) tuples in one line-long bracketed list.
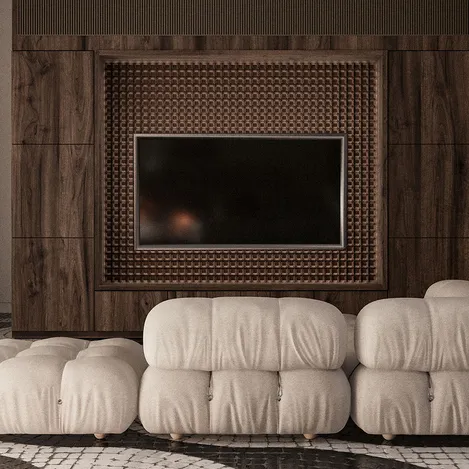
[(5, 155)]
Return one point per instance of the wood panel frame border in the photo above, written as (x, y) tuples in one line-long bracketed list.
[(377, 214)]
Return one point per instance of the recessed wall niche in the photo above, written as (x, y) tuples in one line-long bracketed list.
[(241, 92)]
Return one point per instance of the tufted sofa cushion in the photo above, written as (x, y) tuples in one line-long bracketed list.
[(63, 385), (397, 402), (240, 333), (452, 288), (414, 334), (244, 401), (351, 360)]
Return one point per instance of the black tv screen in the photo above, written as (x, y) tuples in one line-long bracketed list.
[(262, 191)]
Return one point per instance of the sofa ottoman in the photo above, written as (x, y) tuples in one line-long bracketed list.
[(69, 386), (413, 376), (244, 365)]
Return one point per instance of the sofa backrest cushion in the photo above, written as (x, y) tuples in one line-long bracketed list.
[(414, 334), (452, 288), (256, 333)]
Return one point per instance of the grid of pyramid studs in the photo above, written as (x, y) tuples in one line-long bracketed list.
[(243, 97)]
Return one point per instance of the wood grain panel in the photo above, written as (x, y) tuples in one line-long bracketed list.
[(48, 42), (428, 97), (301, 42), (52, 97), (52, 191), (350, 302), (207, 42), (416, 263), (52, 284), (429, 190), (343, 42), (217, 293), (117, 311), (140, 42), (414, 42), (124, 311), (127, 310)]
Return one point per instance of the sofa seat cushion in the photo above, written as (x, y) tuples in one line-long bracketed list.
[(244, 401), (414, 334), (241, 333), (351, 360), (69, 386), (410, 402)]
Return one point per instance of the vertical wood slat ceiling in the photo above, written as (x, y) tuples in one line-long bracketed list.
[(242, 17)]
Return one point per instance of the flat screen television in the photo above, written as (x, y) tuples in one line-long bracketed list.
[(240, 191)]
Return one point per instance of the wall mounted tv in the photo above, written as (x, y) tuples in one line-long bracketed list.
[(240, 191)]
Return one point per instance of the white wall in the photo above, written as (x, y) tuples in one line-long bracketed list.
[(5, 155)]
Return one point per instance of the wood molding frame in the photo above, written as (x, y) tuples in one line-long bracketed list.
[(360, 266)]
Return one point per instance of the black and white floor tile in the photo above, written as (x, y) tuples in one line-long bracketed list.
[(136, 449)]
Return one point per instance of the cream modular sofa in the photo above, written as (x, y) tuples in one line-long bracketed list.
[(245, 365), (69, 386), (413, 376)]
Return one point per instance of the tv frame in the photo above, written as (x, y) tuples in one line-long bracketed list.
[(343, 197)]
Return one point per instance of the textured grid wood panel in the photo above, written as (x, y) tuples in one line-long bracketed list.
[(234, 17), (211, 94)]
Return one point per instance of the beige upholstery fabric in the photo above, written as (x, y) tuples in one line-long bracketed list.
[(351, 360), (29, 393), (458, 288), (394, 402), (244, 401), (60, 385), (245, 365), (73, 344), (99, 395), (414, 376), (414, 334), (313, 401), (11, 347), (397, 402), (450, 407), (174, 401), (234, 333)]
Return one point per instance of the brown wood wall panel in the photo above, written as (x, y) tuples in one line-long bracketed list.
[(428, 190), (350, 42), (124, 310), (366, 42), (52, 191), (127, 310), (350, 302), (428, 97), (52, 284), (48, 42), (208, 43), (428, 184), (52, 97), (416, 263)]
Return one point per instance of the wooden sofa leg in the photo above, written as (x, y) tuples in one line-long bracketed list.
[(100, 436), (309, 436), (175, 436), (388, 436)]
